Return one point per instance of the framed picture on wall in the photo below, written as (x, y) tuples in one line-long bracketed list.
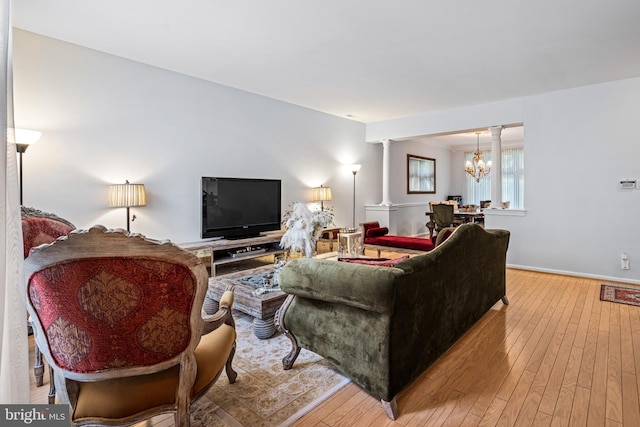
[(421, 175)]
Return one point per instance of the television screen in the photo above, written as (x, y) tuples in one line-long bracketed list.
[(240, 207)]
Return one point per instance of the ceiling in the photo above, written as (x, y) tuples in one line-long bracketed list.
[(510, 136), (367, 60)]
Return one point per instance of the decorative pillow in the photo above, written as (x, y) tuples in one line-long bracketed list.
[(333, 234), (380, 262), (366, 226), (377, 232)]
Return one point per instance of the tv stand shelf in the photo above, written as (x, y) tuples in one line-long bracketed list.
[(226, 251)]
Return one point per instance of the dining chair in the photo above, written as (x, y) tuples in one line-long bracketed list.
[(442, 215)]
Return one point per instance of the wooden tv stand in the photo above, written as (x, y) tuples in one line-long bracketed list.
[(227, 251)]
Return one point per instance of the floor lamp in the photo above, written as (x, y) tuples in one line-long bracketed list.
[(354, 170), (22, 138), (127, 195)]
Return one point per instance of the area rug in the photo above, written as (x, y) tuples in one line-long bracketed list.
[(264, 394), (620, 294)]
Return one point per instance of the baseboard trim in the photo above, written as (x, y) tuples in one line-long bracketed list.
[(575, 273)]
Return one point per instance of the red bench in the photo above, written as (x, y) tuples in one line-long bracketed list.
[(376, 237)]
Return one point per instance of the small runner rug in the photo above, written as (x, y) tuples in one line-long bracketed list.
[(264, 394), (620, 294)]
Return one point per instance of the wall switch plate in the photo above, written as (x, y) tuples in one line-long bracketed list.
[(624, 261)]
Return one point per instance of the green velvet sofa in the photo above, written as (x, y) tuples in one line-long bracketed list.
[(383, 326)]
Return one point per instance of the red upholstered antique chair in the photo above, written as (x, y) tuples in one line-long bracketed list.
[(328, 235), (119, 318), (40, 227)]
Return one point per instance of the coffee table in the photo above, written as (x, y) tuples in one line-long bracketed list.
[(261, 307)]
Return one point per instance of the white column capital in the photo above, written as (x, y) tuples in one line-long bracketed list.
[(495, 130)]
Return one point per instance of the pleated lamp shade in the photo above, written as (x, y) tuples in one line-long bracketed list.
[(321, 194), (127, 195)]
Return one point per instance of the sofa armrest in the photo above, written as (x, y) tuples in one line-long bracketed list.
[(361, 286)]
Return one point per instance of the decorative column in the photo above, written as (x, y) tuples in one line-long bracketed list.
[(496, 168), (385, 212), (386, 167)]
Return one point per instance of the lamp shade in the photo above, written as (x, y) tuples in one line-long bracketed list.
[(23, 136), (127, 195), (321, 194)]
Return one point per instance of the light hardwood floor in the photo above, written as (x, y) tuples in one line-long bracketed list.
[(556, 356)]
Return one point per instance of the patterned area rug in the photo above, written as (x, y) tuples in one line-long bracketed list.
[(264, 394), (620, 294)]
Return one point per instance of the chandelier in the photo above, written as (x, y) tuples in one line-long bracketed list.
[(477, 169)]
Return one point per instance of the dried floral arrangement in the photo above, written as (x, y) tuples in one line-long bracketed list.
[(303, 227)]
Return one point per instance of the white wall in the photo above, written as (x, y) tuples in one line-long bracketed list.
[(579, 144), (398, 184), (409, 209), (105, 119)]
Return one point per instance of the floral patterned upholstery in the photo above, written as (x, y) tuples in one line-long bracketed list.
[(120, 319), (90, 308), (39, 227), (37, 231)]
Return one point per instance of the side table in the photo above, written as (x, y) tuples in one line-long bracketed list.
[(350, 244)]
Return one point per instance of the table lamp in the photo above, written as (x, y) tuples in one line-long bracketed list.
[(321, 194), (127, 195)]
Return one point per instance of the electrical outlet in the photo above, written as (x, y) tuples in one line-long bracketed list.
[(624, 261)]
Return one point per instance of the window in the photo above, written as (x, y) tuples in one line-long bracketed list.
[(512, 179), (421, 175)]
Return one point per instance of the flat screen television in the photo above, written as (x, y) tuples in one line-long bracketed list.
[(235, 208)]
